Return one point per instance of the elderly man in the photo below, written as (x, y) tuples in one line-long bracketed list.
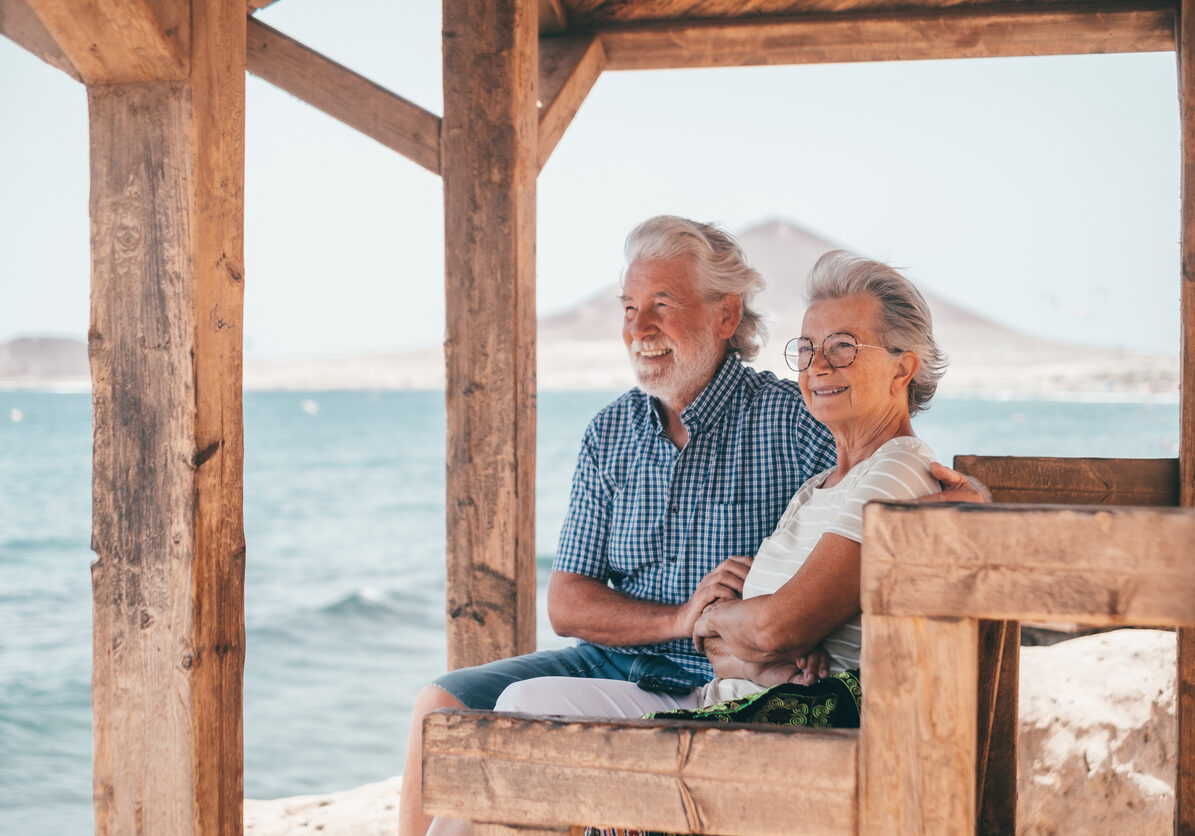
[(675, 479)]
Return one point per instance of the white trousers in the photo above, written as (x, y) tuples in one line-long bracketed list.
[(567, 696)]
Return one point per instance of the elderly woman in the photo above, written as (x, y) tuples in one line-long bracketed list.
[(867, 362)]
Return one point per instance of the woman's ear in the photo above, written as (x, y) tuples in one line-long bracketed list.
[(730, 314), (906, 368)]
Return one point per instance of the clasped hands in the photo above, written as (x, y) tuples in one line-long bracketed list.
[(724, 587)]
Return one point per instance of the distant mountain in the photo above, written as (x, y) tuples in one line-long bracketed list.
[(37, 359), (985, 355), (581, 348)]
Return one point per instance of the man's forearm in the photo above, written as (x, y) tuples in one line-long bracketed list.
[(586, 608)]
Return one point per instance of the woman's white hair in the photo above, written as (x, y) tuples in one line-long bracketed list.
[(720, 268), (905, 321)]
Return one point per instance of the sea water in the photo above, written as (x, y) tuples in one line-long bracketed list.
[(344, 591)]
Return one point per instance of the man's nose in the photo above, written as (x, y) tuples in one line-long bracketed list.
[(642, 322)]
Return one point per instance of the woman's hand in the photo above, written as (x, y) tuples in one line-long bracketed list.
[(724, 583)]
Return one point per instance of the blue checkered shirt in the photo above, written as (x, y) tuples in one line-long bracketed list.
[(652, 521)]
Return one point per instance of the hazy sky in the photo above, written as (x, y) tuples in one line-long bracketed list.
[(1042, 192)]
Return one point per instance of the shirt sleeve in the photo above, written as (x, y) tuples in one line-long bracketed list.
[(584, 536), (894, 475)]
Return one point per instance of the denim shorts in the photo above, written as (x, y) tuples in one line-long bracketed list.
[(479, 687)]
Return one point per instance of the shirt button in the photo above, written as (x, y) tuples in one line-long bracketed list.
[(672, 559), (672, 509)]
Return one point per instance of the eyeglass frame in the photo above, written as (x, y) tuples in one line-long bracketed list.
[(814, 348)]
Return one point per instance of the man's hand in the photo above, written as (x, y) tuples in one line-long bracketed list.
[(956, 487), (724, 583)]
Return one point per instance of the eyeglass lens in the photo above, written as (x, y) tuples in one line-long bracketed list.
[(839, 349)]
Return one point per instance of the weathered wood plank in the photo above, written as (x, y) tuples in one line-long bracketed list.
[(489, 165), (217, 262), (686, 777), (167, 161), (878, 36), (120, 41), (1096, 565), (22, 26), (598, 13), (568, 69), (996, 756), (918, 740), (1184, 788), (1075, 481), (356, 101)]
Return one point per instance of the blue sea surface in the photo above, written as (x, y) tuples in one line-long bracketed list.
[(344, 595)]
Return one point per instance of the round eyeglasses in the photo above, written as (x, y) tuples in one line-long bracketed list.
[(839, 349)]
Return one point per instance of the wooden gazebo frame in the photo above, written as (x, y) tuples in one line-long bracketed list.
[(165, 86)]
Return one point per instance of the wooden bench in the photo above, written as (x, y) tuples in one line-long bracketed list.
[(944, 589)]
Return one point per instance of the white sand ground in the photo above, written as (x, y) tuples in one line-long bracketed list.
[(1097, 749)]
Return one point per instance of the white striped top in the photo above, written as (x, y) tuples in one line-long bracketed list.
[(898, 470)]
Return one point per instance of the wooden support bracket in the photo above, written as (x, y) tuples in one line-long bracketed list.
[(568, 68), (341, 93)]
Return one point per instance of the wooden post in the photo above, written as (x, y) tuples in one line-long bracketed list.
[(489, 165), (996, 764), (1184, 785), (166, 105), (917, 739)]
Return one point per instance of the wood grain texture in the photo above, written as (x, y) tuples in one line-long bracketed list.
[(1075, 481), (996, 717), (341, 93), (1184, 788), (1104, 566), (22, 26), (489, 165), (165, 348), (686, 777), (217, 261), (121, 41), (865, 36), (568, 69), (918, 738), (598, 13)]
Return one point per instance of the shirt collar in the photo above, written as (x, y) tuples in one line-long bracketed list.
[(708, 407)]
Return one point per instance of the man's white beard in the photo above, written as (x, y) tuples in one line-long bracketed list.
[(681, 380)]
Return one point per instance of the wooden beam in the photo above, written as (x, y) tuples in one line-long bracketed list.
[(1184, 787), (553, 19), (1107, 566), (488, 154), (1074, 481), (918, 738), (886, 36), (996, 755), (22, 26), (568, 68), (120, 41), (356, 101), (167, 174), (664, 775)]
